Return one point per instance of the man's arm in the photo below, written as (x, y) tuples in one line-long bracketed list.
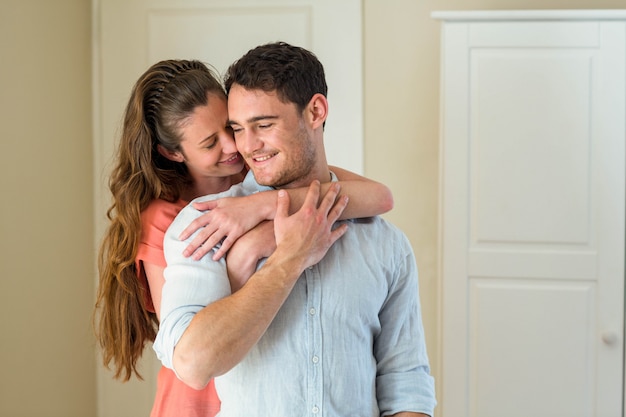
[(403, 379), (223, 332)]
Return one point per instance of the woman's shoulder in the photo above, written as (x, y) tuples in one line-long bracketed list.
[(161, 211)]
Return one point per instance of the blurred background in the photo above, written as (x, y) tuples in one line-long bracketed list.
[(47, 175)]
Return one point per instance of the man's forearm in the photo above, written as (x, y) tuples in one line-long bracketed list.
[(221, 334)]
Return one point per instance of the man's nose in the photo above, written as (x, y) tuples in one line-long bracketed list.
[(247, 142), (228, 143)]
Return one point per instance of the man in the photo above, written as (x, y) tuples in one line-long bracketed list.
[(340, 335)]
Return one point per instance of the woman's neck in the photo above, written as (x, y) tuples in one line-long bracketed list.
[(212, 185)]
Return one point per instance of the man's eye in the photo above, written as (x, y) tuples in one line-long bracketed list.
[(265, 126)]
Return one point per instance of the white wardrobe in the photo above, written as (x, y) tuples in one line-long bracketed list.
[(533, 156)]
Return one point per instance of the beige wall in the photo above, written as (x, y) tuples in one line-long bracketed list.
[(46, 214), (47, 255)]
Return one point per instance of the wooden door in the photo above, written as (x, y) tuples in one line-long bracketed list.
[(130, 35), (532, 215)]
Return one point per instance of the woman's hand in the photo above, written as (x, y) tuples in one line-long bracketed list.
[(248, 250), (225, 220)]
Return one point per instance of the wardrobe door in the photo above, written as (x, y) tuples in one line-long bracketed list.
[(532, 216)]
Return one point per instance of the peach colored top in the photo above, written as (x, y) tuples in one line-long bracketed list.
[(173, 398)]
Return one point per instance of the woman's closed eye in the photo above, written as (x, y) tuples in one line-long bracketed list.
[(211, 144)]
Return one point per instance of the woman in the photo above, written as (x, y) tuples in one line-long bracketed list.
[(176, 145)]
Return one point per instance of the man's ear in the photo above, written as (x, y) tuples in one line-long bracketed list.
[(317, 110), (171, 155)]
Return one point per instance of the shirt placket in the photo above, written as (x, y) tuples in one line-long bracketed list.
[(315, 378)]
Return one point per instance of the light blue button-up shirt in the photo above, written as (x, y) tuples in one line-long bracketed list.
[(348, 341)]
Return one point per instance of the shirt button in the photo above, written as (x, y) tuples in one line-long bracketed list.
[(312, 311), (315, 359), (315, 410)]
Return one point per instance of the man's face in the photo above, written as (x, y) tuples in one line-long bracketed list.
[(273, 137)]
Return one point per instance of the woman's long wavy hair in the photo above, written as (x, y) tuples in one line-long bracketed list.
[(165, 95)]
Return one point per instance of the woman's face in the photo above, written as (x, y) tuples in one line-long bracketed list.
[(208, 146)]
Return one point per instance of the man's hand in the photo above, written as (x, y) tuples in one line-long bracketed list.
[(308, 233)]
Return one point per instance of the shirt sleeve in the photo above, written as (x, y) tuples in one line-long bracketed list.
[(404, 382), (190, 286)]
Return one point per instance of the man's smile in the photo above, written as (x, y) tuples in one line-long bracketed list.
[(263, 158)]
